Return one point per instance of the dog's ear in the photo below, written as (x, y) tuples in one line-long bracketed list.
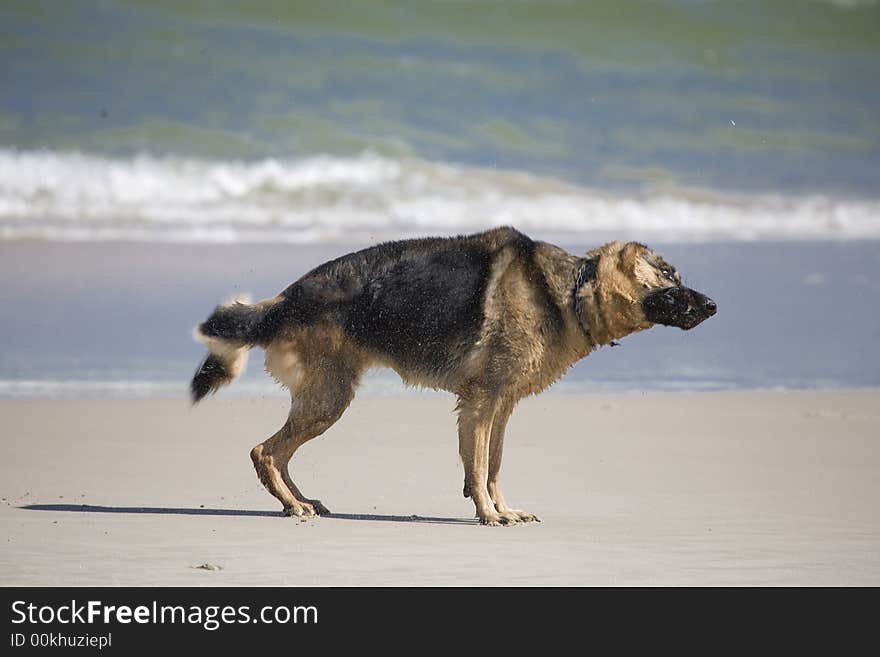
[(629, 255)]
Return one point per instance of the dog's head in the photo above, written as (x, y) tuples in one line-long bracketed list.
[(636, 288), (664, 300)]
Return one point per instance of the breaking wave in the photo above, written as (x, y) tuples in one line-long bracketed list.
[(79, 197)]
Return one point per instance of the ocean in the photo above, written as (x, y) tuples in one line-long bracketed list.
[(742, 140)]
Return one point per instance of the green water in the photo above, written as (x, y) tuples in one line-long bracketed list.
[(778, 95)]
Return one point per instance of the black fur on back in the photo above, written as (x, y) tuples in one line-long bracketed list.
[(211, 376), (424, 305), (419, 301)]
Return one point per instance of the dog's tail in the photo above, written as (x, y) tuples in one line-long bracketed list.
[(229, 333)]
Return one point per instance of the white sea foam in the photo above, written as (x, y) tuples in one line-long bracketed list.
[(374, 385), (73, 196), (89, 389)]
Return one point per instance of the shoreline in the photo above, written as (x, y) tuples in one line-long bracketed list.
[(384, 387)]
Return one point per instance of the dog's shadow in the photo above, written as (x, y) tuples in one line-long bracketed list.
[(173, 511)]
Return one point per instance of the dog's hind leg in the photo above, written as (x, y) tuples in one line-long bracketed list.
[(496, 448), (270, 461), (321, 399), (475, 418)]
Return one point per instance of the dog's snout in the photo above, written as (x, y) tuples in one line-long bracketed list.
[(710, 307)]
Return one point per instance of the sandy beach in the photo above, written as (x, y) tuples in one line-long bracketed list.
[(732, 488)]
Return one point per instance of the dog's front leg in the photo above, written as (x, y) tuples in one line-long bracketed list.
[(474, 432), (496, 449)]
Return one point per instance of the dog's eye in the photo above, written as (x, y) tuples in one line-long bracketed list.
[(668, 274)]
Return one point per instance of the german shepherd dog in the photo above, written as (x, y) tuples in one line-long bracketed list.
[(491, 317)]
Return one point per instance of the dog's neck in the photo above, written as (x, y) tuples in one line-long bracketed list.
[(586, 273)]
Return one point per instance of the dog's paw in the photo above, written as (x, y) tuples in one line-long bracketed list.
[(300, 510), (498, 519), (525, 516), (319, 508)]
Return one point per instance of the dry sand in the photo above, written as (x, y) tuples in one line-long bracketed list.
[(757, 488)]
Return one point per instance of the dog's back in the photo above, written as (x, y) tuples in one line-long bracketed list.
[(416, 305)]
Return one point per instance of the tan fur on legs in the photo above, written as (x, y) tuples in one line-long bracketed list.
[(474, 432), (267, 457), (317, 507), (271, 458), (496, 449), (324, 390), (271, 461)]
